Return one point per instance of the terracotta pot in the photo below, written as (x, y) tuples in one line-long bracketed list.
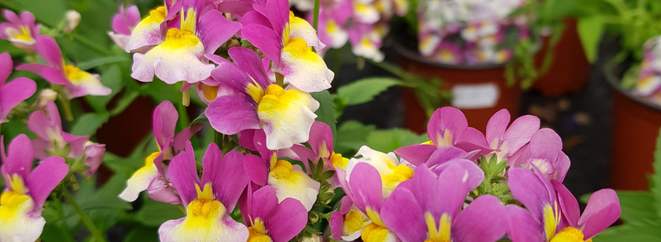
[(569, 68), (478, 90), (636, 124)]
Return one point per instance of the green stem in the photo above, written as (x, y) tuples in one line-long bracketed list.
[(66, 105), (83, 216), (91, 44), (315, 19), (183, 116), (280, 79)]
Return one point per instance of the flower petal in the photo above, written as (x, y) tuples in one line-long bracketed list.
[(45, 177), (303, 68), (416, 154), (287, 116), (603, 209), (17, 159), (231, 179), (483, 220), (287, 220), (522, 225), (402, 214), (183, 174), (298, 186), (257, 169), (18, 223), (221, 229), (232, 113)]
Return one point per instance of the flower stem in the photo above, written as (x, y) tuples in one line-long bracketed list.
[(66, 105), (315, 19), (98, 237), (280, 79)]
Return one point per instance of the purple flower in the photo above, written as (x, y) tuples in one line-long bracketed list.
[(286, 116), (152, 176), (545, 153), (20, 31), (506, 141), (287, 40), (123, 24), (429, 208), (76, 82), (53, 141), (23, 199), (14, 92), (552, 211), (447, 127), (268, 220), (180, 57), (151, 30), (209, 200)]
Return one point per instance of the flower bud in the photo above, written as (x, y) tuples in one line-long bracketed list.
[(45, 96), (73, 19), (312, 238)]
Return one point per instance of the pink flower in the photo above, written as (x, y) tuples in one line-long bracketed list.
[(76, 82), (14, 92), (20, 31), (209, 200), (268, 220), (123, 24), (53, 141), (27, 189)]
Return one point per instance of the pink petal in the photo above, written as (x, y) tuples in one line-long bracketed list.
[(249, 61), (603, 209), (183, 175), (231, 179), (133, 16), (447, 118), (497, 125), (215, 30), (568, 203), (416, 154), (365, 182), (402, 215), (18, 158), (164, 122), (15, 92), (48, 49), (232, 113), (529, 190), (287, 220), (483, 220), (522, 225), (265, 39), (520, 132), (239, 8), (257, 169), (6, 66), (545, 144), (45, 178)]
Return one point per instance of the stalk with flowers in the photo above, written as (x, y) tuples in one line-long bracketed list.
[(258, 163)]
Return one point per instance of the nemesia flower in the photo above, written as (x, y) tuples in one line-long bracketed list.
[(53, 141), (76, 82), (93, 157), (553, 213), (348, 223), (447, 127), (364, 187), (20, 31), (152, 29), (14, 92), (321, 147), (430, 209), (391, 171), (331, 31), (27, 189), (288, 181), (269, 221), (209, 200), (123, 24), (286, 116), (366, 41), (504, 140), (164, 123), (180, 57), (287, 41), (545, 153)]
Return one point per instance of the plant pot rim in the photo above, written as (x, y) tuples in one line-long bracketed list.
[(613, 81), (413, 55)]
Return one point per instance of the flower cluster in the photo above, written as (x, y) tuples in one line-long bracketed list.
[(363, 23), (271, 172), (470, 32), (648, 84)]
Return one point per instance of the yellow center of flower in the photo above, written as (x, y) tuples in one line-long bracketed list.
[(569, 234), (204, 212), (17, 184), (180, 38), (338, 161), (397, 175), (282, 170), (258, 232), (210, 92), (440, 233), (24, 33), (365, 42), (331, 26), (445, 139), (298, 48), (374, 233), (158, 14), (75, 74), (276, 101), (353, 221), (13, 203)]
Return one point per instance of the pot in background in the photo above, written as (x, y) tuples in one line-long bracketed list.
[(569, 68), (478, 90), (636, 124)]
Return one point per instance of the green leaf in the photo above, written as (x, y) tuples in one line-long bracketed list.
[(351, 135), (389, 140), (200, 119), (142, 234), (637, 206), (590, 31), (326, 111), (626, 233), (365, 90), (102, 61), (155, 213), (87, 124), (655, 187)]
